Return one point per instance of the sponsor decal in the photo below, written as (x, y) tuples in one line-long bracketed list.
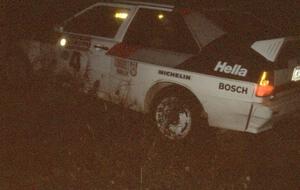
[(121, 66), (233, 88), (133, 69), (228, 69), (296, 74), (126, 67), (174, 74)]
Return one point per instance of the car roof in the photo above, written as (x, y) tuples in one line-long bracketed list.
[(162, 4)]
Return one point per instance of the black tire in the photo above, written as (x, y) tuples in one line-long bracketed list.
[(177, 115)]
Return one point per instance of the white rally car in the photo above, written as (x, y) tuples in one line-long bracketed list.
[(183, 66)]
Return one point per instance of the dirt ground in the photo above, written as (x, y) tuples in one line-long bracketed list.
[(55, 139)]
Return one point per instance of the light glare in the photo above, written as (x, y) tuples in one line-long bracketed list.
[(161, 16), (121, 15), (263, 80), (63, 42)]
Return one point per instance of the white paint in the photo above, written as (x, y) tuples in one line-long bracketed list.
[(227, 109), (268, 48), (296, 74)]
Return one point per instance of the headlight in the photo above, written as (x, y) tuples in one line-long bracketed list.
[(63, 42)]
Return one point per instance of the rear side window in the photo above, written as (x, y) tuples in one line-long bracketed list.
[(242, 24), (101, 21), (290, 54), (160, 30)]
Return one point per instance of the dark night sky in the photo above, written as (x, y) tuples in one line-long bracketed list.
[(27, 18)]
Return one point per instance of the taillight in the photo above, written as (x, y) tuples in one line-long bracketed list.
[(265, 85)]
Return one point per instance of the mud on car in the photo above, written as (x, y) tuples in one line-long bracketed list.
[(183, 66)]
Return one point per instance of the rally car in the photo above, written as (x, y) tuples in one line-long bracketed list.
[(182, 66)]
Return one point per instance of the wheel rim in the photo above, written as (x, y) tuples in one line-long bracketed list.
[(173, 118)]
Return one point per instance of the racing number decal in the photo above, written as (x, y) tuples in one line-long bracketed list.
[(133, 69)]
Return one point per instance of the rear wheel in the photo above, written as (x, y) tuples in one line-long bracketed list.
[(178, 115)]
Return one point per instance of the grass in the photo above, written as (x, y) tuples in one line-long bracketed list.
[(57, 139)]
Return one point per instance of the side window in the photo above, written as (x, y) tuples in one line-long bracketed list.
[(161, 30), (290, 53), (101, 21)]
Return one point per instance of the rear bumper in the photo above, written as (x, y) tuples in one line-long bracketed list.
[(265, 115)]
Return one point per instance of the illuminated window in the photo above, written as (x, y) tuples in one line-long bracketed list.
[(160, 16), (103, 21), (121, 15), (160, 30)]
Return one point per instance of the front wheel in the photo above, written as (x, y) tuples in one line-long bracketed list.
[(178, 116)]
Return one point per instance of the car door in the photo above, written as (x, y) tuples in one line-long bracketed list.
[(98, 27), (156, 38), (123, 73)]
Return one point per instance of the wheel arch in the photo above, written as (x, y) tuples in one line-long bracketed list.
[(158, 88)]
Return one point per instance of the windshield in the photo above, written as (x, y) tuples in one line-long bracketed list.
[(103, 21)]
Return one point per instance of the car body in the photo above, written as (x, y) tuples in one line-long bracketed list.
[(242, 73)]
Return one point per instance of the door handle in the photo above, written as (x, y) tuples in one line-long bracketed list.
[(101, 47)]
